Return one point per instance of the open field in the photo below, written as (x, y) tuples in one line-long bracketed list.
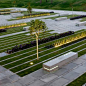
[(19, 62)]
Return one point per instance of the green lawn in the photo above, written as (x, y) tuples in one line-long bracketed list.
[(11, 41), (19, 62), (83, 19), (14, 30)]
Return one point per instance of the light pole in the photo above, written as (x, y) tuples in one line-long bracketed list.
[(72, 11)]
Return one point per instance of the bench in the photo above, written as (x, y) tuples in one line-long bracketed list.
[(59, 61), (26, 28), (64, 14), (81, 23), (16, 14), (61, 18)]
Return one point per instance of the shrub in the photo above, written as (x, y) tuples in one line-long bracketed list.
[(41, 41), (78, 17)]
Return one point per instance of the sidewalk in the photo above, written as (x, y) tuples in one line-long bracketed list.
[(22, 20), (61, 77), (13, 34)]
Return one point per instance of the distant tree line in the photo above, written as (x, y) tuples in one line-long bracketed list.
[(46, 1)]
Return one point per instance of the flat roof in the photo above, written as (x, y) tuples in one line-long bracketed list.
[(59, 59)]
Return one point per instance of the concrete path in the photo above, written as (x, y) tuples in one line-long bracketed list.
[(5, 17), (13, 34), (60, 77), (5, 22), (63, 26), (49, 10), (3, 54)]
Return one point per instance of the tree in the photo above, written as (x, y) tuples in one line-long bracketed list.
[(36, 27), (29, 8), (40, 1), (84, 6), (46, 0), (72, 9), (51, 1), (14, 2)]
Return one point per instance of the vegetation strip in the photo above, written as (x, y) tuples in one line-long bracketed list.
[(30, 60), (3, 49), (45, 53), (27, 52), (44, 61), (23, 40)]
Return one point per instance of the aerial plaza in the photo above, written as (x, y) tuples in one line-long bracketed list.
[(42, 45)]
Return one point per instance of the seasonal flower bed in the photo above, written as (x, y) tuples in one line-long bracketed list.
[(2, 13), (33, 43), (13, 25), (3, 30), (78, 17), (68, 40), (33, 15), (5, 10)]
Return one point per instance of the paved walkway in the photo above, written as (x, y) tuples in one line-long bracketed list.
[(5, 17), (49, 10), (63, 26), (13, 34), (60, 77), (5, 22)]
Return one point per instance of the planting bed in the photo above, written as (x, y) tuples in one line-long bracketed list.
[(11, 29), (11, 41), (19, 62), (78, 17), (40, 41)]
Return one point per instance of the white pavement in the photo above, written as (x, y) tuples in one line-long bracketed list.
[(4, 17), (63, 26), (5, 22), (56, 11), (13, 34)]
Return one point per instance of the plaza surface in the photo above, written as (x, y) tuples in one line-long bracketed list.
[(60, 77), (40, 77)]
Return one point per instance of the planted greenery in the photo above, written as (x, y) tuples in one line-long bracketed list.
[(40, 41), (70, 39), (33, 15), (5, 10), (20, 60), (11, 41), (44, 55), (13, 25), (78, 17), (2, 13)]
